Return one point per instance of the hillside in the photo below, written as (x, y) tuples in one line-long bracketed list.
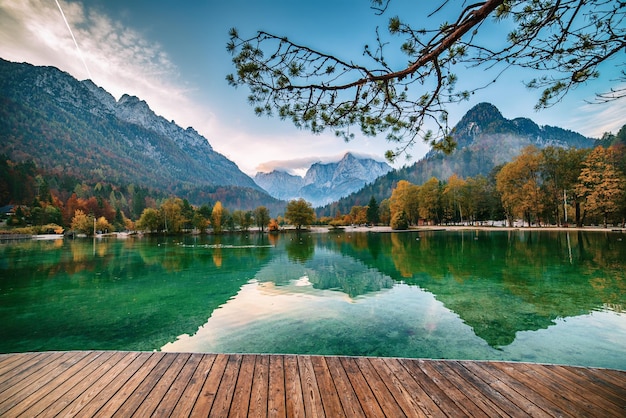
[(324, 182), (485, 140), (78, 129)]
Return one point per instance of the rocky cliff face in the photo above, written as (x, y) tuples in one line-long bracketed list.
[(65, 124), (324, 183)]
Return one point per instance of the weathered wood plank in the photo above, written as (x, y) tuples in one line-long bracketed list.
[(310, 391), (293, 388), (204, 402), (224, 395), (328, 391), (347, 396), (441, 399), (189, 396), (260, 382), (37, 380), (243, 388), (118, 388), (106, 384), (177, 388), (69, 389), (276, 402), (91, 384), (361, 388)]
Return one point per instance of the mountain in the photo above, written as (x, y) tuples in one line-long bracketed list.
[(324, 182), (485, 139), (77, 128)]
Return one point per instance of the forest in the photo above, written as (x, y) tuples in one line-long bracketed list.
[(550, 186)]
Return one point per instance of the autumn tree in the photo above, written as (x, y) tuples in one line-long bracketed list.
[(217, 217), (172, 214), (519, 182), (261, 217), (430, 200), (563, 41), (453, 199), (83, 223), (404, 198), (358, 215), (299, 212), (601, 184), (150, 220)]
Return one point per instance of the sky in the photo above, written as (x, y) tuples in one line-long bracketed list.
[(172, 54)]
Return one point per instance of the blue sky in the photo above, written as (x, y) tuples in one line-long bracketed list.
[(172, 55)]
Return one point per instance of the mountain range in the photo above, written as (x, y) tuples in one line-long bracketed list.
[(77, 128), (485, 139), (324, 183)]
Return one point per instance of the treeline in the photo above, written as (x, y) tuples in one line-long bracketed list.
[(45, 203), (552, 186)]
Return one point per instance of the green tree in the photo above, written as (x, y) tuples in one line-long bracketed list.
[(299, 212), (150, 220), (372, 211), (601, 183), (565, 42), (453, 199), (262, 217)]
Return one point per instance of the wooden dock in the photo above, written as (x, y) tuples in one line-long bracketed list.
[(124, 384)]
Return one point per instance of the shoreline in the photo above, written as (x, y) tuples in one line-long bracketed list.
[(387, 229)]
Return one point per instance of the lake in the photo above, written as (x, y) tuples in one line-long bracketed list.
[(522, 295)]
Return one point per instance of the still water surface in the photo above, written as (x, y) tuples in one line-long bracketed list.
[(540, 296)]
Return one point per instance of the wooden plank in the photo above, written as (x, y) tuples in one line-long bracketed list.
[(35, 381), (438, 396), (59, 377), (156, 391), (361, 388), (542, 387), (386, 401), (224, 395), (130, 397), (58, 395), (78, 390), (347, 396), (328, 391), (205, 399), (243, 388), (11, 364), (189, 396), (293, 388), (604, 383), (181, 384), (260, 382), (310, 391), (276, 402), (449, 370), (586, 397), (177, 387), (24, 370), (524, 404), (116, 387), (488, 392), (413, 394), (98, 386)]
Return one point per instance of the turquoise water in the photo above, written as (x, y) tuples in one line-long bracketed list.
[(540, 296)]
